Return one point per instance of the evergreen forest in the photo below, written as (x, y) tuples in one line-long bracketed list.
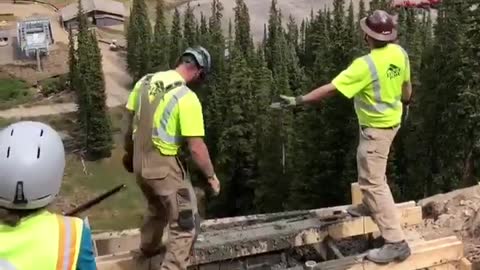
[(274, 160)]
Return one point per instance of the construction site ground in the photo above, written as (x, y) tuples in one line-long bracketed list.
[(290, 240), (117, 79)]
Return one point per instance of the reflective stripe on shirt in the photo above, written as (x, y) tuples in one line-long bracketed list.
[(379, 105)]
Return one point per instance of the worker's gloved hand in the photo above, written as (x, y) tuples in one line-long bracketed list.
[(215, 184), (127, 161), (288, 101)]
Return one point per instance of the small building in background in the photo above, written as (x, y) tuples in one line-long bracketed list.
[(100, 13), (5, 33)]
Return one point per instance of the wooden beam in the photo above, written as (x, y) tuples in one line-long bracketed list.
[(357, 196), (425, 254), (364, 225), (219, 245), (465, 264)]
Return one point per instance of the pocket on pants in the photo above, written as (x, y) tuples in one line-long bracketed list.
[(186, 219), (154, 166), (374, 144)]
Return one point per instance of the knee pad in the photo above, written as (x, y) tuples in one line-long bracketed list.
[(185, 220)]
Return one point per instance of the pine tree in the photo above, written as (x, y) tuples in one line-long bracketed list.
[(139, 40), (203, 35), (99, 140), (436, 147), (275, 161), (176, 38), (72, 61), (243, 39), (189, 27), (292, 32), (94, 129), (160, 60), (238, 158)]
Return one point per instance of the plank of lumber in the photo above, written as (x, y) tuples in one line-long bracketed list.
[(357, 196), (425, 254), (364, 225), (447, 266), (465, 264), (238, 242)]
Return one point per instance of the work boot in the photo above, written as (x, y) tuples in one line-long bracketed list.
[(359, 210), (390, 252)]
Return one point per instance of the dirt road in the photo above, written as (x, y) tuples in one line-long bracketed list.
[(117, 83)]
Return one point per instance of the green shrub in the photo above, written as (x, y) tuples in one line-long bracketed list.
[(13, 92), (54, 85)]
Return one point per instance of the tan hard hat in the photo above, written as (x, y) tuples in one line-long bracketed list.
[(379, 26)]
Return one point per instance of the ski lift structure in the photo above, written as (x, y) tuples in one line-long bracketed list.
[(34, 36)]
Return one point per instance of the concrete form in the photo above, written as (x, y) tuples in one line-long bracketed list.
[(251, 242), (230, 239)]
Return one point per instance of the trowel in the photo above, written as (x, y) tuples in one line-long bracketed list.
[(276, 105)]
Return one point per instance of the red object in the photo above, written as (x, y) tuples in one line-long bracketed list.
[(425, 4)]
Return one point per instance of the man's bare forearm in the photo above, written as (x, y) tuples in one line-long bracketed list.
[(319, 94), (200, 156)]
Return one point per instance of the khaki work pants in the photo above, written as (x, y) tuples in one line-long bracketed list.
[(372, 155), (171, 205)]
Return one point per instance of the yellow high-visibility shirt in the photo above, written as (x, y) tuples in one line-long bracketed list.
[(178, 115), (375, 82), (41, 241)]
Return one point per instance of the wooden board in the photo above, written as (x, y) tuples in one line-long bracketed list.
[(426, 254), (219, 245), (357, 196), (465, 264)]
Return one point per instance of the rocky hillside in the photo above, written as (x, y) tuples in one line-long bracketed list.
[(259, 10)]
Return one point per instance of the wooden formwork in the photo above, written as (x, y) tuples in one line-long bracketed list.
[(439, 254), (225, 242)]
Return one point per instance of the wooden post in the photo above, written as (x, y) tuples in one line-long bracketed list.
[(465, 264), (356, 194)]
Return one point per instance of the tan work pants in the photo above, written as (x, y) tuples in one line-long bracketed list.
[(372, 156), (172, 203)]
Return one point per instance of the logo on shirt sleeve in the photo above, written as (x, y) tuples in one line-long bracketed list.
[(393, 71)]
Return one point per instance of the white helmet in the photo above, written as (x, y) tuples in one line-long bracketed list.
[(32, 162)]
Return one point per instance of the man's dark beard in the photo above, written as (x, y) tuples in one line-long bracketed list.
[(197, 83)]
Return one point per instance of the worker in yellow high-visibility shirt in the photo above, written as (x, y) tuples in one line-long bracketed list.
[(164, 113), (379, 83), (32, 164)]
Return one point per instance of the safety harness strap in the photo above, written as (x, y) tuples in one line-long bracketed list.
[(143, 135)]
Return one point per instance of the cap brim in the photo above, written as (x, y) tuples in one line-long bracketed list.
[(375, 35)]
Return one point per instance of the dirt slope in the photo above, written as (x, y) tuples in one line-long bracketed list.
[(259, 10), (457, 212)]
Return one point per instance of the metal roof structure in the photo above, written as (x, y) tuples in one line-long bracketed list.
[(107, 6)]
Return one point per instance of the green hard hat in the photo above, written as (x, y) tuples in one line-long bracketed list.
[(201, 55)]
